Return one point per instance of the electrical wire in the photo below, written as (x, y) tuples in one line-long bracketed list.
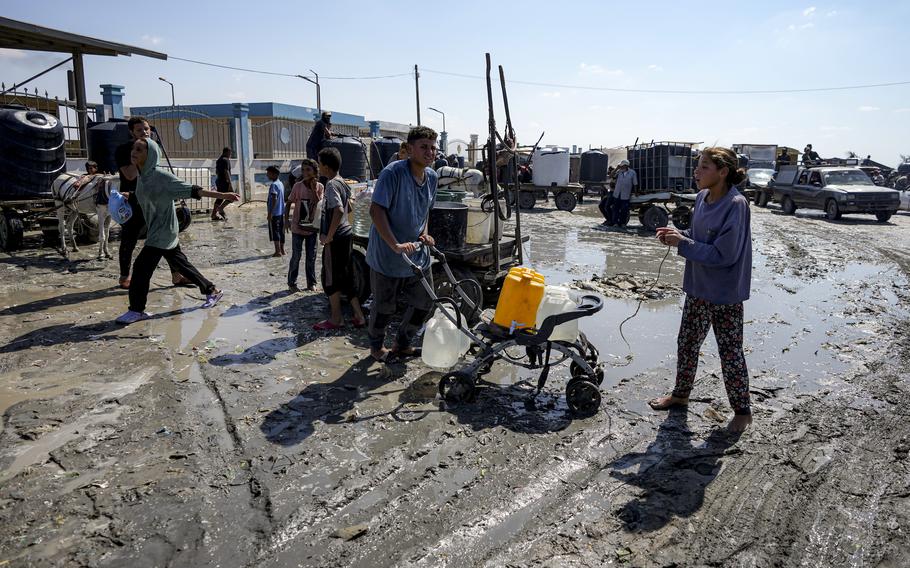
[(631, 356), (292, 75), (680, 91), (563, 85)]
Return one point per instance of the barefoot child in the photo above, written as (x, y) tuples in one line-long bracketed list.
[(156, 191), (275, 208), (718, 253)]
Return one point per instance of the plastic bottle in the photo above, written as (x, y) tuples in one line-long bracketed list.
[(443, 342), (558, 300), (519, 299), (362, 221)]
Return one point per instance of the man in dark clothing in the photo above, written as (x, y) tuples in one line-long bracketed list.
[(322, 130), (222, 183), (783, 159), (810, 156), (129, 234)]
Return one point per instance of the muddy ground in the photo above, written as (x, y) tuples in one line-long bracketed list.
[(237, 436)]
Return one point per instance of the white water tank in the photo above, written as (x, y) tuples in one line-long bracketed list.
[(551, 166)]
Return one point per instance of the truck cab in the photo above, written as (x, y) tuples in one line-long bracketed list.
[(834, 189)]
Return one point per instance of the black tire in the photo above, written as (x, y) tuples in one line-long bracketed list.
[(654, 217), (832, 210), (566, 201), (11, 230), (360, 272), (444, 288), (457, 387), (184, 218), (884, 216), (682, 217), (577, 373), (583, 397), (527, 199), (787, 206)]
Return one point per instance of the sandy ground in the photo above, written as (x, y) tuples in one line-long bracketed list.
[(237, 436)]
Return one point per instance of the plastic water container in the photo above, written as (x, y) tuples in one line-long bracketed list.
[(443, 342), (479, 222), (558, 300), (519, 299), (362, 221), (551, 167)]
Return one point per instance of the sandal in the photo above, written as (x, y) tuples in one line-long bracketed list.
[(358, 323), (408, 352), (327, 325)]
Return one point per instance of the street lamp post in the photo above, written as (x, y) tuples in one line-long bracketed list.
[(443, 136), (318, 94), (172, 89)]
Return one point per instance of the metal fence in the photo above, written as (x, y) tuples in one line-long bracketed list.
[(189, 134), (65, 111)]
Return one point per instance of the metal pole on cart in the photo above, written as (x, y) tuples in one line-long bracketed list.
[(491, 158), (510, 135)]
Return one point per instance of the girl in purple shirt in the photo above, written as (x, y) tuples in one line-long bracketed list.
[(718, 253)]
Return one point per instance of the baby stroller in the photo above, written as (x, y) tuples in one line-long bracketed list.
[(490, 343)]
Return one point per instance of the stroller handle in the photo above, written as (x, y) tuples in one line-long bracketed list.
[(433, 251), (587, 306)]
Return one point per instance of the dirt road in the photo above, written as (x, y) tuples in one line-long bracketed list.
[(240, 437)]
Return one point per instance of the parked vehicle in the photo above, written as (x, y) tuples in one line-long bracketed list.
[(905, 199), (835, 190), (756, 184)]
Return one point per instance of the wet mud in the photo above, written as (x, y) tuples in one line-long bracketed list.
[(238, 436)]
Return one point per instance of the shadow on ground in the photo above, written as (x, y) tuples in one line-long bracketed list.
[(672, 473)]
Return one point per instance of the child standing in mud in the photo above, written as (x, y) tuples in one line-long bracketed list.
[(717, 280), (156, 191), (275, 210)]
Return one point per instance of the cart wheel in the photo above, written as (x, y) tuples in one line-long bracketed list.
[(11, 229), (444, 288), (360, 272), (527, 199), (583, 397), (654, 217), (184, 218), (456, 387), (566, 201), (682, 217)]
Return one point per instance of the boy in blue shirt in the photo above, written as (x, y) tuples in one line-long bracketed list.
[(275, 208), (401, 204)]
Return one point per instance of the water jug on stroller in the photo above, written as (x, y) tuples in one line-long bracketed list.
[(488, 342)]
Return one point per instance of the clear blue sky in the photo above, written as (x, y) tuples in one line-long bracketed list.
[(638, 45)]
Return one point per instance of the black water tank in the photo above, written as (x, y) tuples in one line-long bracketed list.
[(32, 152), (664, 166), (353, 157), (594, 165), (384, 150), (103, 140)]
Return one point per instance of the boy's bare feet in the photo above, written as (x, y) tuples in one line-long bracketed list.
[(667, 402), (739, 423)]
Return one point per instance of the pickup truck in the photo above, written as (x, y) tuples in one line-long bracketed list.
[(834, 190)]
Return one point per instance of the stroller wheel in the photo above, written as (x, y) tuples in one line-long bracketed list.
[(583, 397), (578, 373), (456, 387)]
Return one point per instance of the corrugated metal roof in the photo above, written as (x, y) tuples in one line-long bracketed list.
[(23, 35)]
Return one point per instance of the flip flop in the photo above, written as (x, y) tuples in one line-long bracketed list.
[(327, 325), (358, 323)]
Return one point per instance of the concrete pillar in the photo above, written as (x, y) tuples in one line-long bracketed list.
[(242, 141), (112, 98), (472, 151), (444, 142)]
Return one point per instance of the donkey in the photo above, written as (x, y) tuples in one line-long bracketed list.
[(76, 195)]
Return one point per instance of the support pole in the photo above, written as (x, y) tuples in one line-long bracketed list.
[(513, 164), (417, 89), (81, 107), (491, 163)]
